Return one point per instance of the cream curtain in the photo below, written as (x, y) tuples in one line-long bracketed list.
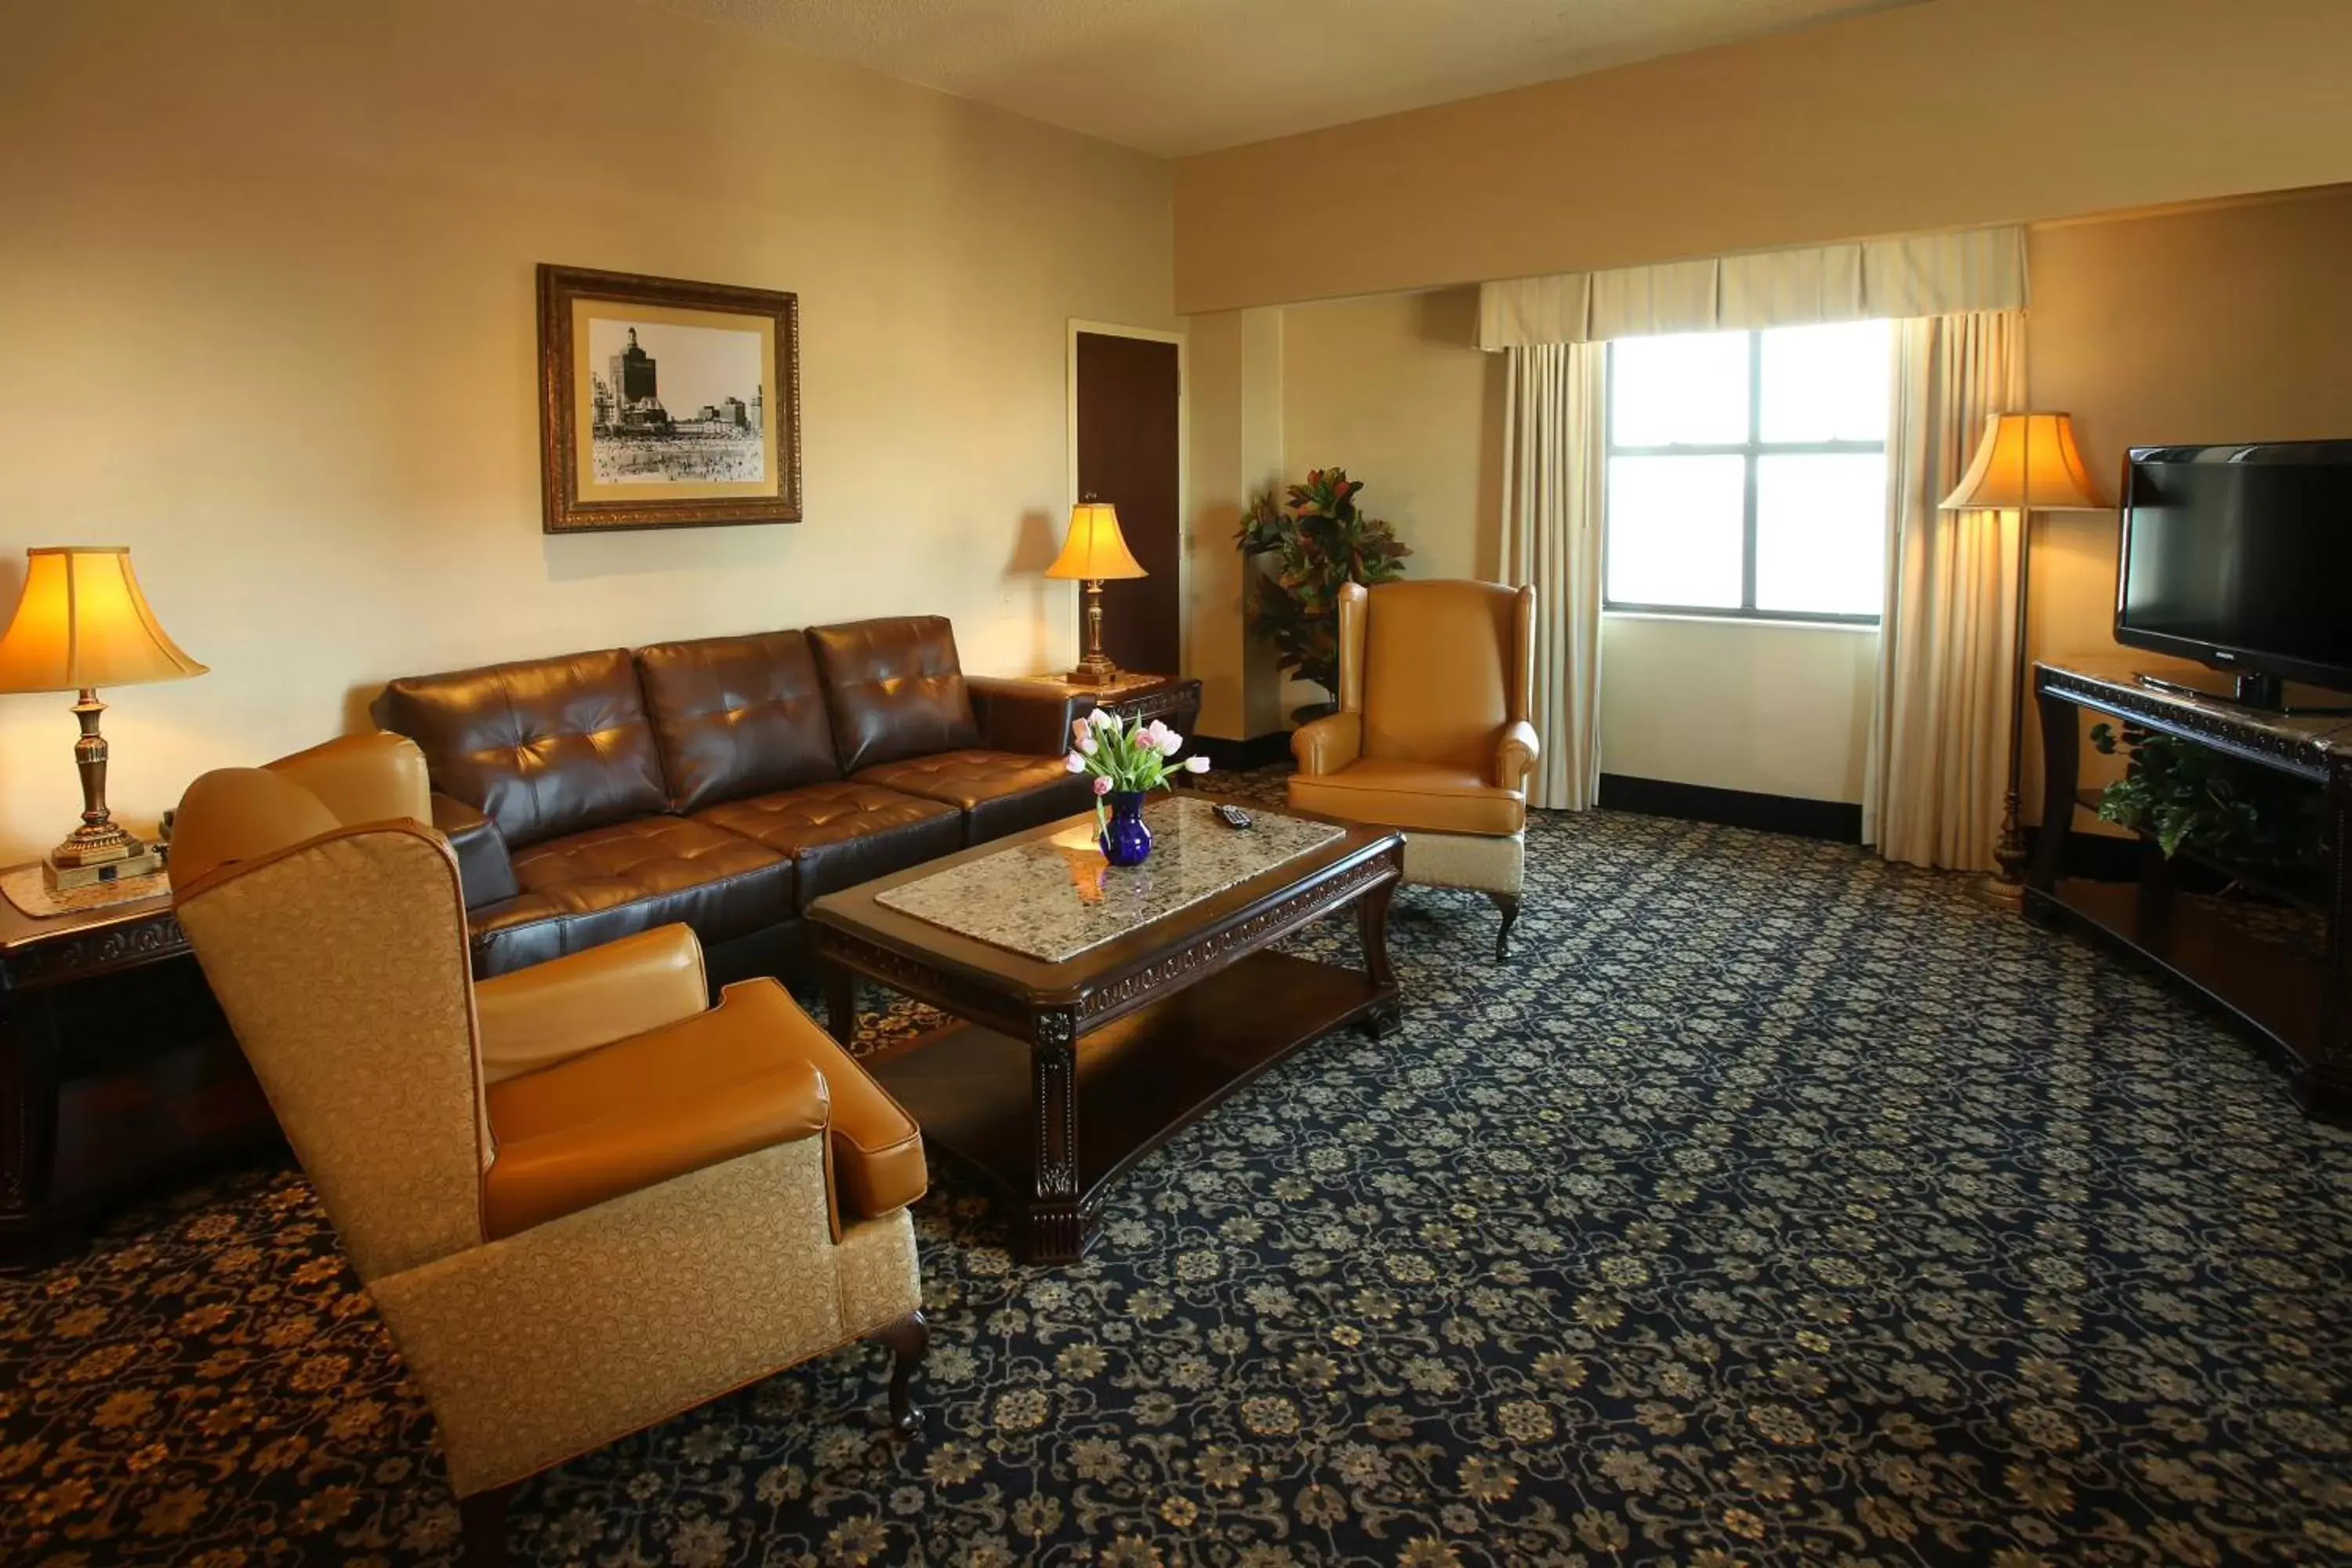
[(1555, 444), (1925, 274), (1938, 764)]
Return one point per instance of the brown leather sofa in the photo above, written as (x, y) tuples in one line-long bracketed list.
[(722, 783)]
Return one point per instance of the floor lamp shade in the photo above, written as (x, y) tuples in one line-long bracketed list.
[(82, 624), (2027, 462), (1095, 550)]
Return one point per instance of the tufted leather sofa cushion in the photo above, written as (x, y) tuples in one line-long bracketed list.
[(998, 792), (591, 887), (841, 834), (543, 747), (737, 716), (895, 689)]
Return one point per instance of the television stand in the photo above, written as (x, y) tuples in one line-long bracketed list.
[(2298, 1002), (2262, 693)]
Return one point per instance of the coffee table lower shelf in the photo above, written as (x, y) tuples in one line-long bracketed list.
[(975, 1093)]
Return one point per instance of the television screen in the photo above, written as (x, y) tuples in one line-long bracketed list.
[(2241, 556)]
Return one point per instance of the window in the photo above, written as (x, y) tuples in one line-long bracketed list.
[(1747, 473)]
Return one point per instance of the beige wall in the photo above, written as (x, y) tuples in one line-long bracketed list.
[(1391, 389), (1771, 708), (1922, 117), (270, 276), (2229, 324)]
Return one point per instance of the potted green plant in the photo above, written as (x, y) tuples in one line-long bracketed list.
[(2193, 796), (1319, 541)]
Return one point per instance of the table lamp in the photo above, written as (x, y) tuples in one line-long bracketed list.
[(2028, 462), (1094, 552), (82, 624)]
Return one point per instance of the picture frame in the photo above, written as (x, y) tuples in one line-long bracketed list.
[(665, 402)]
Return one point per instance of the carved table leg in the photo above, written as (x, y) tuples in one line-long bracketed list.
[(909, 1339), (1372, 932), (2062, 764), (841, 1003), (28, 1123), (2327, 1082), (1054, 1229)]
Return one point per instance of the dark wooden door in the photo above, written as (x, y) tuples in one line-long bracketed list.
[(1127, 393)]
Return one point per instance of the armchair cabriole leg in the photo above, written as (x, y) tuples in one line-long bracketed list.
[(482, 1528), (1509, 904), (909, 1339)]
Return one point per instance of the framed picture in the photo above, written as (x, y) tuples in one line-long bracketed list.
[(665, 404)]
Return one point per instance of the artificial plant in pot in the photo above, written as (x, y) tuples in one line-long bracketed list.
[(1319, 541), (2191, 796)]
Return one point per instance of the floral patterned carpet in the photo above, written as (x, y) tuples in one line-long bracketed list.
[(1773, 1205)]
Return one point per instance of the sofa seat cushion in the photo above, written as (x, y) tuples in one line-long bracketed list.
[(998, 792), (610, 882), (839, 834), (753, 1072), (1430, 796)]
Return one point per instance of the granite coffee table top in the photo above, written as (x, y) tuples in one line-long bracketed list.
[(1054, 897)]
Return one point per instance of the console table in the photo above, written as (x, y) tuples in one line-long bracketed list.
[(1173, 700), (116, 1069), (2299, 1004)]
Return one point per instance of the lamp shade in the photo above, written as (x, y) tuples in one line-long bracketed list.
[(82, 622), (2027, 462), (1095, 550)]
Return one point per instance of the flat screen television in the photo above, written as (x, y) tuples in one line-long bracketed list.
[(2242, 557)]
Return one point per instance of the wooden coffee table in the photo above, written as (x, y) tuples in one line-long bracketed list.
[(1068, 1066)]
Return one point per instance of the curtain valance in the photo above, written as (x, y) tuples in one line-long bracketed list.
[(1927, 275)]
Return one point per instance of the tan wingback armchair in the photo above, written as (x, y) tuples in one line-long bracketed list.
[(583, 1198), (1432, 735)]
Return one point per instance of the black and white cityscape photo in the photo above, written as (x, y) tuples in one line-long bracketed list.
[(676, 405)]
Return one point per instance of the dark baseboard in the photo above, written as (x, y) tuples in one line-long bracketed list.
[(1239, 756), (1835, 820)]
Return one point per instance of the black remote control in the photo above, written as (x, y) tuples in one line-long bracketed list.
[(1235, 816)]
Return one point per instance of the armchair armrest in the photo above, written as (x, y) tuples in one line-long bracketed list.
[(1328, 743), (560, 1170), (484, 870), (1516, 754), (1022, 716), (551, 1012)]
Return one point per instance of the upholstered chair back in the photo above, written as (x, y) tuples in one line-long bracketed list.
[(1437, 667), (338, 951)]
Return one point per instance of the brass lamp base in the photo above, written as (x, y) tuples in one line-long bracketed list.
[(99, 841), (86, 846), (1096, 668)]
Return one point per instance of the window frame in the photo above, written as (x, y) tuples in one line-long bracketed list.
[(1750, 450)]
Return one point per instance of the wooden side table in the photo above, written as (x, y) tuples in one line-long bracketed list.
[(116, 1069), (1173, 700)]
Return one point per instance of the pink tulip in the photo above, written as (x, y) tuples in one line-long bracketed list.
[(1102, 784), (1074, 763), (1077, 731), (1196, 765), (1087, 745)]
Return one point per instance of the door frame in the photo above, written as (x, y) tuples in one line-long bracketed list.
[(1183, 462)]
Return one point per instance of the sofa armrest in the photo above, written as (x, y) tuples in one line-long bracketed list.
[(1516, 754), (551, 1012), (1024, 716), (483, 869), (1328, 743)]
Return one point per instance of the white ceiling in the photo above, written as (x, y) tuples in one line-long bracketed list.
[(1175, 77)]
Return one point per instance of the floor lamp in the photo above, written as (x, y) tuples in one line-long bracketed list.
[(2028, 462)]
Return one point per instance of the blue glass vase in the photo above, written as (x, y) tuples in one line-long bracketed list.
[(1125, 840)]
